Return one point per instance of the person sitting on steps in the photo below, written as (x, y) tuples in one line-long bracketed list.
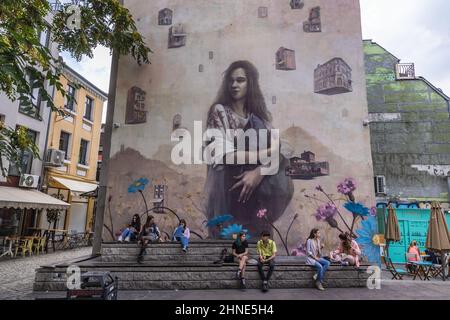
[(149, 233), (132, 231), (267, 250), (348, 253), (240, 251), (314, 257), (182, 234)]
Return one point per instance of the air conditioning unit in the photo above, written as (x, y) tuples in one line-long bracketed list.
[(54, 158), (380, 184), (29, 181)]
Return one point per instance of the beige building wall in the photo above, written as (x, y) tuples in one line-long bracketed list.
[(331, 126), (79, 128)]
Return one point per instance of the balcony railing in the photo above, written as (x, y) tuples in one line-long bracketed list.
[(405, 71)]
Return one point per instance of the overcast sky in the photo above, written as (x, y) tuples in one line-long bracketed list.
[(413, 30)]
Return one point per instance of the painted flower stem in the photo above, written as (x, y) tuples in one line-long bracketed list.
[(339, 213), (279, 234), (353, 223), (314, 198), (145, 201), (289, 229)]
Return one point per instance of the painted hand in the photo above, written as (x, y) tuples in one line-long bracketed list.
[(249, 181)]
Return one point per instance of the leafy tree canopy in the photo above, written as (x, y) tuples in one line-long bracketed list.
[(27, 66)]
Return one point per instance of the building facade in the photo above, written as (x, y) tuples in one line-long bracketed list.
[(21, 204), (74, 139), (410, 131), (178, 88)]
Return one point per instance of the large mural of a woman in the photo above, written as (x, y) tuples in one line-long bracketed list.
[(241, 189)]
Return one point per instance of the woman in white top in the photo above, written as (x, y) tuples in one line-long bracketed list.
[(314, 257), (242, 189)]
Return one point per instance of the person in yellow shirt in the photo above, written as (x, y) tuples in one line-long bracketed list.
[(267, 250)]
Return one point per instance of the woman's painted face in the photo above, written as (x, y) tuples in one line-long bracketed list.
[(318, 234), (243, 237), (238, 84)]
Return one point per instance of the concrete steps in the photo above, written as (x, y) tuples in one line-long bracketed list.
[(169, 251), (167, 268)]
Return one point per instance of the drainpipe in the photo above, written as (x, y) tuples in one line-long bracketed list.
[(101, 200), (448, 182), (46, 142)]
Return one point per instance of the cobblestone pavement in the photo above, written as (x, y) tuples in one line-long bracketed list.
[(17, 275)]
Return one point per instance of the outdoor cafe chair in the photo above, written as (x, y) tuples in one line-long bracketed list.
[(438, 270), (397, 273), (24, 245), (410, 267), (39, 245)]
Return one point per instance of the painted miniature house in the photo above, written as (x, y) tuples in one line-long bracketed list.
[(165, 17), (177, 36), (176, 122), (313, 24), (285, 59), (306, 168), (297, 4), (136, 110), (263, 12), (159, 198), (333, 77)]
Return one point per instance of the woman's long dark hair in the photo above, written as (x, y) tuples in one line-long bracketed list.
[(346, 242), (254, 102), (312, 234), (138, 221), (148, 222)]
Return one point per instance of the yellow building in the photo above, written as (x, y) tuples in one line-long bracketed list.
[(72, 154)]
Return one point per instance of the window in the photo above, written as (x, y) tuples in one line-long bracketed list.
[(88, 110), (64, 140), (70, 100), (82, 159), (26, 159), (380, 185)]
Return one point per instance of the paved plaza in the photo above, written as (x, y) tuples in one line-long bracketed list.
[(17, 276)]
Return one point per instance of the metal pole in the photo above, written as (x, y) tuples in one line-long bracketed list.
[(101, 201)]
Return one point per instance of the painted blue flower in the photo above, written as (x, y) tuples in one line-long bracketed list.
[(138, 185), (357, 208), (234, 229), (219, 220), (366, 236)]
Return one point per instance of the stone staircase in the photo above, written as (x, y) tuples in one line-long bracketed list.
[(166, 267)]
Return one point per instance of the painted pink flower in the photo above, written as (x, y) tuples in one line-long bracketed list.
[(326, 211), (261, 213), (347, 187)]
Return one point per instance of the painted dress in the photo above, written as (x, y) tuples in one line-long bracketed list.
[(274, 193)]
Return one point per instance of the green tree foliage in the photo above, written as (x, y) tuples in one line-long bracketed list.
[(27, 66)]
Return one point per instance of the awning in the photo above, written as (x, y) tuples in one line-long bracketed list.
[(76, 187), (19, 198)]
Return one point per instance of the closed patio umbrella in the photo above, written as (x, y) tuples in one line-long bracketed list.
[(392, 233), (438, 236)]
